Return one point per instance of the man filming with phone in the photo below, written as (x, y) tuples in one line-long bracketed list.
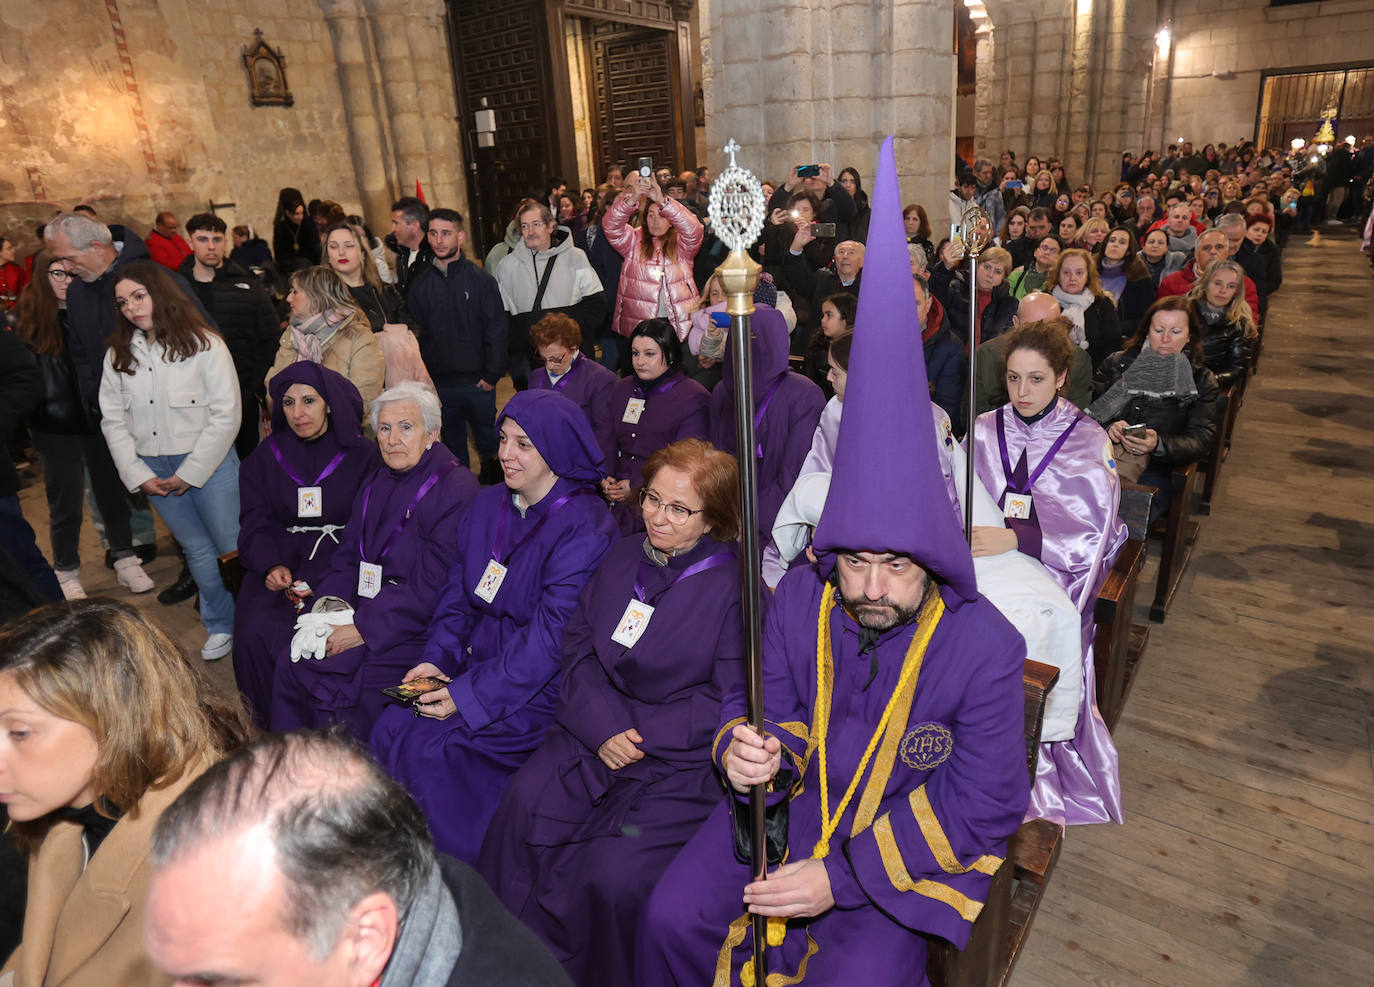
[(836, 205)]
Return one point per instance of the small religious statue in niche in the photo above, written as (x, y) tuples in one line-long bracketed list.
[(266, 70)]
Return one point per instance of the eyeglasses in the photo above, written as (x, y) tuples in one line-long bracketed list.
[(538, 224), (57, 274), (677, 514), (136, 297)]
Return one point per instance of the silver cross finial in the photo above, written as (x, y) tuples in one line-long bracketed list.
[(732, 148)]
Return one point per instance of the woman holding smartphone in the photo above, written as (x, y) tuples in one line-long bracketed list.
[(170, 409)]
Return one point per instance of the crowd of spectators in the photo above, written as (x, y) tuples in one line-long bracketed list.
[(311, 405)]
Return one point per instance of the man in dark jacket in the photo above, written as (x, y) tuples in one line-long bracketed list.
[(407, 240), (245, 314), (844, 274), (20, 390), (463, 331), (324, 873)]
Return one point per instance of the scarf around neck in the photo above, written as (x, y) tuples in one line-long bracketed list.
[(311, 332), (430, 941), (1073, 307), (1151, 375)]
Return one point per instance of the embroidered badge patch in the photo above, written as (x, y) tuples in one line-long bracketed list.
[(1107, 456), (949, 434), (926, 745)]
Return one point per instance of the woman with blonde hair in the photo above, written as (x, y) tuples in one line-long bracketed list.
[(1073, 280), (105, 723), (1217, 300), (345, 249), (1093, 233), (328, 327)]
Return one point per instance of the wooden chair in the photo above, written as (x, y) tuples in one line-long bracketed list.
[(1179, 532), (1117, 642), (231, 572), (1019, 883)]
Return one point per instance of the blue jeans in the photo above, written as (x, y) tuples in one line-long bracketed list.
[(464, 408), (205, 522)]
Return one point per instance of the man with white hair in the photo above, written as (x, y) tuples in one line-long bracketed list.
[(322, 872)]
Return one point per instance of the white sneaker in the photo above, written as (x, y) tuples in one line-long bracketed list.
[(217, 646), (70, 581), (129, 572)]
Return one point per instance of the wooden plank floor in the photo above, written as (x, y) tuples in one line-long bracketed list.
[(1247, 856)]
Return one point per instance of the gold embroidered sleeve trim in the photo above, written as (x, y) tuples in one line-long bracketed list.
[(897, 874), (938, 842)]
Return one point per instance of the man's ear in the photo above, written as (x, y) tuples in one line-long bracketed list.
[(373, 927)]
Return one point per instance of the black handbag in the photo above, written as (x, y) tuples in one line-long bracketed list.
[(774, 824)]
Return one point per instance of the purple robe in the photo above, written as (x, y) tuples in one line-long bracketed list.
[(504, 658), (675, 408), (787, 408), (263, 619), (1075, 532), (347, 687), (575, 848), (925, 829), (585, 384)]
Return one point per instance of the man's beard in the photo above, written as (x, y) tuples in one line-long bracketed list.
[(883, 615)]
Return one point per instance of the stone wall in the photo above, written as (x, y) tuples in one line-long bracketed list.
[(1220, 47), (141, 105), (801, 81)]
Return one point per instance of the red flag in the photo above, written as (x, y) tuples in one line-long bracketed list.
[(419, 192)]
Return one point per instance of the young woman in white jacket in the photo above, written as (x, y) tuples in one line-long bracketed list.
[(169, 401)]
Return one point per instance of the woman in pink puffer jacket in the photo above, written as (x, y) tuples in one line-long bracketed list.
[(657, 276)]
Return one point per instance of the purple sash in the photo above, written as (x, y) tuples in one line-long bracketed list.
[(1029, 537), (563, 381), (498, 548), (290, 470), (763, 407), (646, 569), (425, 488)]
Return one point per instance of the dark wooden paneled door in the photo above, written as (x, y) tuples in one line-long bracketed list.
[(636, 108)]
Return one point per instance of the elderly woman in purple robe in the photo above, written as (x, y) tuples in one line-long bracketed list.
[(295, 493), (1050, 469), (372, 611), (787, 407), (524, 552), (557, 338), (656, 406), (624, 776)]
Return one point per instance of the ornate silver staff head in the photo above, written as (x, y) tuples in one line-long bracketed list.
[(975, 230), (737, 209)]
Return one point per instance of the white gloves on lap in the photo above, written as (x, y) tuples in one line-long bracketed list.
[(314, 627)]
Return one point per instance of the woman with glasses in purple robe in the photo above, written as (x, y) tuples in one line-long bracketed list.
[(787, 407), (1050, 469), (296, 490), (624, 776), (372, 609), (524, 552), (656, 406), (557, 339)]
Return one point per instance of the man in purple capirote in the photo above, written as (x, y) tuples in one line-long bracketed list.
[(893, 700)]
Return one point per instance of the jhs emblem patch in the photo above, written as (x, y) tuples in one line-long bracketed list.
[(926, 745)]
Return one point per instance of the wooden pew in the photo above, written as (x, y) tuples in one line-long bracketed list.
[(1221, 444), (1117, 642), (1019, 883), (1179, 532), (231, 572)]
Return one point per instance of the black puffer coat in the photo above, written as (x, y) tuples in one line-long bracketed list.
[(1225, 350), (1186, 431)]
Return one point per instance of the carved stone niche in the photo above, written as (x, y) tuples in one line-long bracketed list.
[(266, 68)]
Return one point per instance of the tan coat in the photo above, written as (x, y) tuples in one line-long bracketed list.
[(85, 929), (352, 351)]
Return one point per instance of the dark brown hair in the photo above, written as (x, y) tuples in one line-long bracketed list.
[(840, 347), (1133, 267), (715, 475), (180, 329), (1170, 303), (38, 322), (1048, 337), (556, 328), (103, 664)]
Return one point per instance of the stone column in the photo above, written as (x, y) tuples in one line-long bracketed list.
[(801, 81), (427, 32), (366, 126)]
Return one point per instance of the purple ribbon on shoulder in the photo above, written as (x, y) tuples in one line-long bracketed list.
[(290, 470), (425, 488), (498, 547), (646, 569)]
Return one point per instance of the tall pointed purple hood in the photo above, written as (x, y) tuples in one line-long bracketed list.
[(887, 493)]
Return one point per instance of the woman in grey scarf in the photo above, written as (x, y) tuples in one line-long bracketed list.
[(1159, 380)]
